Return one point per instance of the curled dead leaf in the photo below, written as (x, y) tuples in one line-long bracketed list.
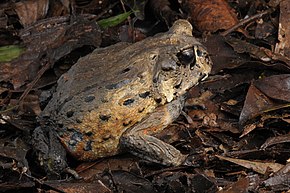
[(257, 166), (31, 11), (210, 15)]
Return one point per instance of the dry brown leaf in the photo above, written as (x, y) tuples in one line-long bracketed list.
[(276, 86), (241, 46), (242, 185), (255, 104), (279, 182), (210, 15), (31, 104), (283, 47), (30, 11), (260, 96), (276, 140), (57, 36), (264, 29), (80, 187), (249, 128), (260, 167), (162, 9), (89, 170), (222, 55), (261, 53)]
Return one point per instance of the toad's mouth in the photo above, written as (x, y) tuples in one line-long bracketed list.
[(203, 77), (183, 84)]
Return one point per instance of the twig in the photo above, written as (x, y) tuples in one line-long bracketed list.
[(245, 21), (165, 170), (37, 181), (32, 84)]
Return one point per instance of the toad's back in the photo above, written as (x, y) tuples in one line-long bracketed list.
[(98, 99)]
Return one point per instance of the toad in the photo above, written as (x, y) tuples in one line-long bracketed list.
[(116, 98)]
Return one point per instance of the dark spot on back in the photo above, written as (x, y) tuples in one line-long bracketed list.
[(158, 100), (104, 100), (117, 85), (105, 117), (127, 123), (88, 146), (75, 138), (128, 102), (69, 114), (111, 86), (125, 70), (63, 103), (70, 129), (141, 110), (144, 95), (89, 98), (89, 133)]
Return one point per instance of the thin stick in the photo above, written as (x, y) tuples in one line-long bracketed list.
[(245, 21), (32, 84)]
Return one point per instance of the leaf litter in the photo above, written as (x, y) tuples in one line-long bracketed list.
[(235, 124)]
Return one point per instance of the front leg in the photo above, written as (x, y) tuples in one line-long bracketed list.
[(51, 155), (138, 139)]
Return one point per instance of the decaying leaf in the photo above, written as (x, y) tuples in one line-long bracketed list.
[(283, 47), (185, 182), (255, 104), (276, 87), (210, 15), (278, 182), (223, 56), (90, 170), (260, 167), (276, 140), (15, 151), (246, 91), (57, 37), (260, 53), (30, 11), (129, 182), (163, 10), (242, 185), (260, 96), (80, 187), (264, 29), (241, 46)]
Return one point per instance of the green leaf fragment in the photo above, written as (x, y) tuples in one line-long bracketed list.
[(8, 53), (113, 21)]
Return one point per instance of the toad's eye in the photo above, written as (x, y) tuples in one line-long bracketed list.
[(186, 56)]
